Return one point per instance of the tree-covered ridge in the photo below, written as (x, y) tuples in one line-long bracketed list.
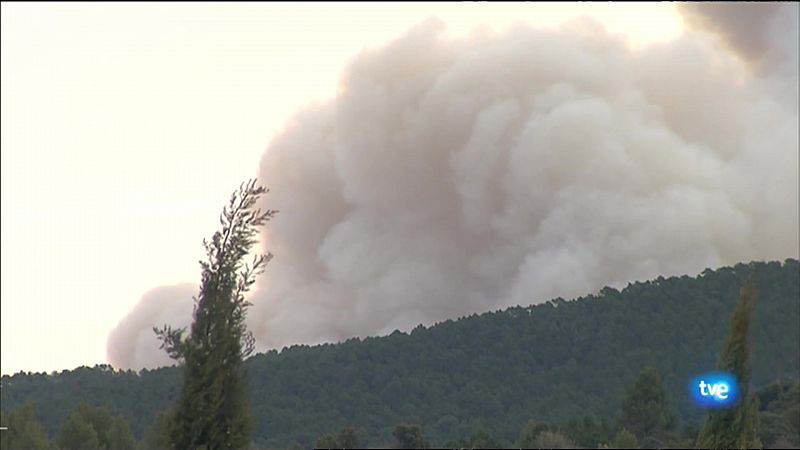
[(555, 362)]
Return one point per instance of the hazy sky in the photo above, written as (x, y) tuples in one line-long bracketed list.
[(126, 126)]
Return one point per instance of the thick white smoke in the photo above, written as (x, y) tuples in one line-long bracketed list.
[(131, 346), (457, 176)]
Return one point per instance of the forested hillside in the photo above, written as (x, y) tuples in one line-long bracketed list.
[(566, 362)]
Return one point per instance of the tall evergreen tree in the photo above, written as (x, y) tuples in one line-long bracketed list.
[(735, 427), (644, 409), (212, 410)]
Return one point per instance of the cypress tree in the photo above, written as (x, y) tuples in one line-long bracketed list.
[(212, 410), (735, 427)]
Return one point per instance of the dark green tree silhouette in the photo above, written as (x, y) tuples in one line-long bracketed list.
[(644, 409), (157, 436), (119, 436), (779, 418), (89, 427), (213, 411), (735, 427), (77, 433), (348, 438), (23, 430), (409, 436)]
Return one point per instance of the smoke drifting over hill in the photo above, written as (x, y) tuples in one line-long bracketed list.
[(456, 176)]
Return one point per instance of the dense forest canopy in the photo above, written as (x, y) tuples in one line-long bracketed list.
[(557, 362)]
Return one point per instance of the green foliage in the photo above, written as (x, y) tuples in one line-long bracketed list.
[(564, 363), (89, 427), (158, 436), (4, 438), (213, 409), (409, 436), (735, 427), (644, 409), (553, 439), (779, 418), (327, 440), (119, 436), (24, 431), (138, 397), (625, 439), (348, 438), (529, 433), (587, 432), (77, 433), (482, 439), (479, 439)]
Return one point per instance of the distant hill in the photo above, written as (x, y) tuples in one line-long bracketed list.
[(552, 362)]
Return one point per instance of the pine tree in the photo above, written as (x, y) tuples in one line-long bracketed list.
[(89, 427), (644, 410), (157, 436), (23, 430), (119, 436), (735, 427), (77, 433), (212, 410)]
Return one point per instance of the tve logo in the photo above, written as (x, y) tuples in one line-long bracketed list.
[(714, 390)]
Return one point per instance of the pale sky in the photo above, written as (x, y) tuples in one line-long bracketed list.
[(126, 126)]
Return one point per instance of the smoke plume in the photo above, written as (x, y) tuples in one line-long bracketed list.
[(133, 344), (454, 176)]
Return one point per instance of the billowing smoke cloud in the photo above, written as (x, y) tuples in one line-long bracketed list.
[(765, 35), (129, 345), (457, 176)]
